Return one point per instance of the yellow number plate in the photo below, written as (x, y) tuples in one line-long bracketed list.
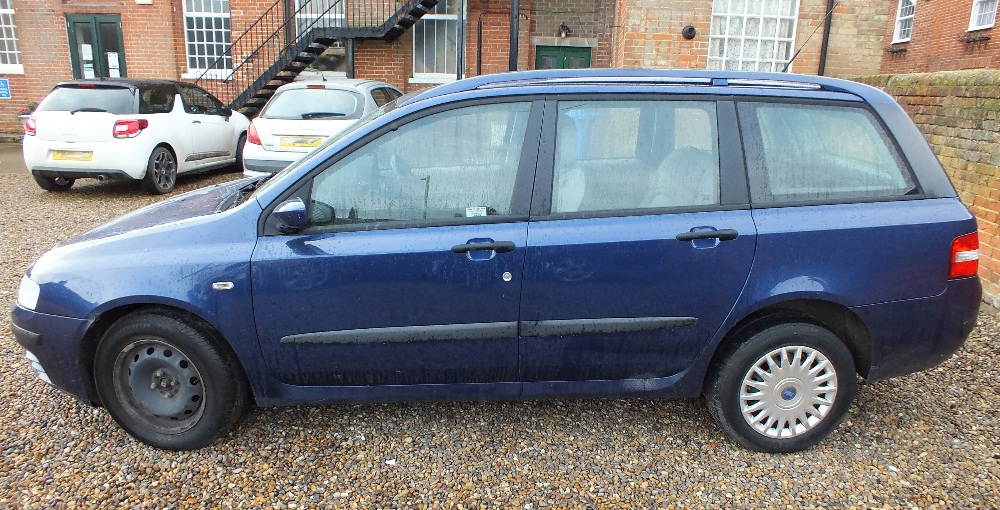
[(72, 155), (300, 141)]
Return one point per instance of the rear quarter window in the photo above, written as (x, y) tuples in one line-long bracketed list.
[(69, 98), (820, 153)]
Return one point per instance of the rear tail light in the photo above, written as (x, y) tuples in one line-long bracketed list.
[(252, 136), (29, 126), (129, 128), (964, 256)]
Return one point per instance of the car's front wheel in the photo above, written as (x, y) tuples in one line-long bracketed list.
[(782, 389), (161, 172), (53, 183), (167, 382)]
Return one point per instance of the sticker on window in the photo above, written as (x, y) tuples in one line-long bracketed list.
[(475, 212)]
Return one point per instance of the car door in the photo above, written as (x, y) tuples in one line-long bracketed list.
[(640, 243), (211, 132), (410, 270)]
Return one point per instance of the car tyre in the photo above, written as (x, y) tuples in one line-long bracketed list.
[(238, 164), (53, 183), (161, 172), (167, 381), (783, 389)]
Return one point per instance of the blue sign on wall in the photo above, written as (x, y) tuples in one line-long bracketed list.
[(4, 88)]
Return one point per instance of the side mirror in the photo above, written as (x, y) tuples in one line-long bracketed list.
[(291, 216), (226, 111)]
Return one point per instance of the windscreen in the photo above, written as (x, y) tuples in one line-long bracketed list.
[(89, 98), (314, 104)]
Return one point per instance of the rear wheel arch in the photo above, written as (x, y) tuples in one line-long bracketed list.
[(832, 316)]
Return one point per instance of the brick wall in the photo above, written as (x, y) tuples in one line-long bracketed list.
[(652, 35), (148, 32), (959, 114), (935, 43)]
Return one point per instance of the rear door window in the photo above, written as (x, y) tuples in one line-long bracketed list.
[(156, 98), (381, 96), (634, 155), (89, 98), (819, 153)]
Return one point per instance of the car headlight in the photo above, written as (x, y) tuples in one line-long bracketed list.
[(27, 293)]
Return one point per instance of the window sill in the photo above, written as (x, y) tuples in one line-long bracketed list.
[(11, 69), (899, 41), (432, 79), (984, 27), (194, 74)]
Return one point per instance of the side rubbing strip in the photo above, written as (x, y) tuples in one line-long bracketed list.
[(478, 331), (602, 326)]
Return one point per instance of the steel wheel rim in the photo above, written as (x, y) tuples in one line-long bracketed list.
[(788, 391), (164, 169), (158, 384)]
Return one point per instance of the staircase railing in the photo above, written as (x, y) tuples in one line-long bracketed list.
[(274, 39)]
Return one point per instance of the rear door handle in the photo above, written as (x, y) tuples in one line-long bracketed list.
[(498, 246), (722, 235), (196, 122)]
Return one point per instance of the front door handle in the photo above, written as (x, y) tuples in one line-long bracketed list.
[(196, 122), (498, 246), (722, 235)]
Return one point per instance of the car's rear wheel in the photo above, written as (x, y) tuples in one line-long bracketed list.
[(53, 183), (166, 381), (161, 171), (784, 388)]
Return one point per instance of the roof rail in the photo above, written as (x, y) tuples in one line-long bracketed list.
[(647, 77)]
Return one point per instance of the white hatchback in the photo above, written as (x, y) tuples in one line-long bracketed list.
[(148, 130), (301, 115)]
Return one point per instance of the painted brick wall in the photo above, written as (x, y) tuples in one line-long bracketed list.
[(586, 19), (959, 114), (935, 43)]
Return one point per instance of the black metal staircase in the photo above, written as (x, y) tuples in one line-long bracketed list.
[(282, 42)]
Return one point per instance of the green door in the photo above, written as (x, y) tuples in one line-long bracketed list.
[(96, 47), (562, 57)]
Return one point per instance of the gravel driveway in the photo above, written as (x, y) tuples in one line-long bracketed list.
[(929, 440)]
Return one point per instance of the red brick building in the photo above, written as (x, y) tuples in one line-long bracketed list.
[(927, 36), (45, 41)]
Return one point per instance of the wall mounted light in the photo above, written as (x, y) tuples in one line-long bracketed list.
[(564, 30)]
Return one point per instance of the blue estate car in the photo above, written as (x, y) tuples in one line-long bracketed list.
[(758, 239)]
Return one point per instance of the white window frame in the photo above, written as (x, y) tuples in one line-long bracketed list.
[(723, 9), (7, 14), (978, 9), (195, 73), (437, 78), (900, 19)]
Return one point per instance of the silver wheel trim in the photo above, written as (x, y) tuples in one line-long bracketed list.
[(788, 391), (164, 169)]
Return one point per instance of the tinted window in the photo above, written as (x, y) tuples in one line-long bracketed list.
[(380, 96), (68, 98), (456, 164), (314, 104), (199, 101), (156, 98), (801, 152), (625, 155)]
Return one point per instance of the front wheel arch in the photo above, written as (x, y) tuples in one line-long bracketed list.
[(99, 327)]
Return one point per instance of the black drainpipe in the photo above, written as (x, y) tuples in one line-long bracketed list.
[(479, 47), (826, 36)]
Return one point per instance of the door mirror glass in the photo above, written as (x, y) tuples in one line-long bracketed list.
[(291, 215)]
